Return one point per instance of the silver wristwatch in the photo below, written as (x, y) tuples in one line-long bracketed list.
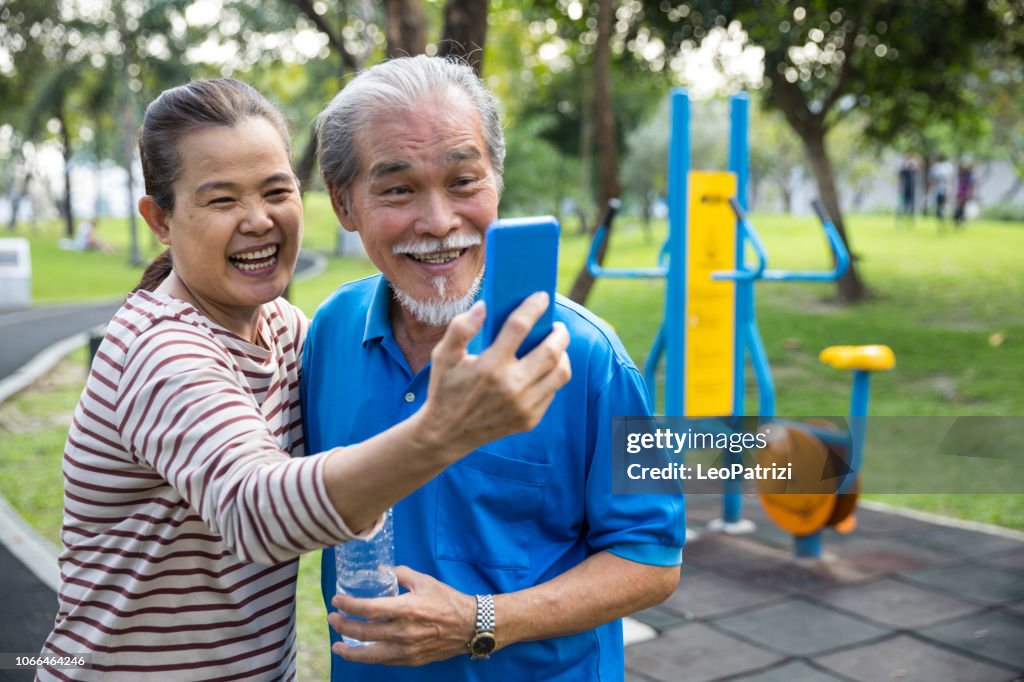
[(483, 642)]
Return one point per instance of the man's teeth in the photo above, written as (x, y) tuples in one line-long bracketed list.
[(437, 257)]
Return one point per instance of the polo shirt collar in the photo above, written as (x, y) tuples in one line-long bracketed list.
[(378, 316)]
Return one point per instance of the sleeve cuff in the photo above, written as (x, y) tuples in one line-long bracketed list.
[(367, 533), (654, 555)]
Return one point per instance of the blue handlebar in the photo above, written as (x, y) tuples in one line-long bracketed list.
[(597, 270), (835, 242), (755, 241)]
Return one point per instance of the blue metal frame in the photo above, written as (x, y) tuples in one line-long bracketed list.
[(675, 297), (670, 340)]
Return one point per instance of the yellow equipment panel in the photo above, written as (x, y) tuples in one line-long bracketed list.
[(709, 362)]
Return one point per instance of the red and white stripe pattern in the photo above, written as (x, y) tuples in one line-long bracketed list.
[(187, 500)]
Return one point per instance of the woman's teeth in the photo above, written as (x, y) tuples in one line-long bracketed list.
[(255, 260), (438, 257)]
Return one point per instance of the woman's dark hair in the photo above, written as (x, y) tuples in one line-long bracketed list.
[(175, 114), (155, 273)]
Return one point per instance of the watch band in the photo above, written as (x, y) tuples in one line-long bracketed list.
[(483, 642), (484, 613)]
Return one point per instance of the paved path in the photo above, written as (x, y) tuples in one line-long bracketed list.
[(26, 332), (900, 599)]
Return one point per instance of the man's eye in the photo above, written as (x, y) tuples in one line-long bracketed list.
[(279, 193), (465, 183), (222, 200)]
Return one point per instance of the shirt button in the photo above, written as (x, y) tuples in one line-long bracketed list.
[(410, 396)]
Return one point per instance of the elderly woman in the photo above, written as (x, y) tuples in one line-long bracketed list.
[(187, 502)]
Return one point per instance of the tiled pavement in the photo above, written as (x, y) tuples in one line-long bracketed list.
[(899, 599)]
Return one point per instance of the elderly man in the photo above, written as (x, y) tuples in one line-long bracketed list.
[(518, 562)]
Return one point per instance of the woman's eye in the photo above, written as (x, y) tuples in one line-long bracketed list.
[(397, 191)]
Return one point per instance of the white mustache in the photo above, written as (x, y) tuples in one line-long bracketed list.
[(433, 244)]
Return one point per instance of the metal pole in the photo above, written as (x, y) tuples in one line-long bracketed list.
[(675, 299), (739, 165)]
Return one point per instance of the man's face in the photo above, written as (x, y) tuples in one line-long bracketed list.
[(424, 197)]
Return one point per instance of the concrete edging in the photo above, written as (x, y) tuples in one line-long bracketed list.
[(38, 554), (940, 520)]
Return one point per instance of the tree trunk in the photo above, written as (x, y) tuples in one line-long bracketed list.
[(17, 198), (307, 162), (607, 154), (786, 190), (851, 289), (128, 158), (586, 150), (65, 136), (407, 28), (465, 31)]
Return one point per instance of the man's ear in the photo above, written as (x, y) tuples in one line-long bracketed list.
[(156, 218), (340, 206)]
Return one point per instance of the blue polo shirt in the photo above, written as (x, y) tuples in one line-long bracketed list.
[(515, 513)]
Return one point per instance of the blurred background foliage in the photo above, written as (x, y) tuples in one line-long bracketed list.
[(584, 85)]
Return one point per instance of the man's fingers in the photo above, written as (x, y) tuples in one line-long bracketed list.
[(408, 578), (360, 630), (538, 396), (552, 380), (384, 653), (548, 353), (518, 324), (377, 608), (459, 333)]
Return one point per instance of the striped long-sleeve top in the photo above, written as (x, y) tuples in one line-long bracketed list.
[(187, 500)]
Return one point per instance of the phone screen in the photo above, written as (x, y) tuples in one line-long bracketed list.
[(521, 258)]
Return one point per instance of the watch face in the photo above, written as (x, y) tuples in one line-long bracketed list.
[(483, 644)]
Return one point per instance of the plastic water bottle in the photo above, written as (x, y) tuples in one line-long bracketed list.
[(366, 568)]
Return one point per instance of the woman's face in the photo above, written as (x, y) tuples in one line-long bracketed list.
[(236, 226)]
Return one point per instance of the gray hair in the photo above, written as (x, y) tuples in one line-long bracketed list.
[(397, 84)]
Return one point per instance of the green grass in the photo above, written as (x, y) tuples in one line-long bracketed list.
[(951, 305)]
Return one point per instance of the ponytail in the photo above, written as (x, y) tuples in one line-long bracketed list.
[(156, 273)]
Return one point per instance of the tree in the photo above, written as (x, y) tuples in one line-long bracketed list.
[(406, 32), (465, 31), (900, 63), (776, 156), (608, 186)]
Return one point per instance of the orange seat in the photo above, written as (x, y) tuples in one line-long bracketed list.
[(871, 358)]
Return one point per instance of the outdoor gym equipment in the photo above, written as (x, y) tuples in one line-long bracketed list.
[(709, 328)]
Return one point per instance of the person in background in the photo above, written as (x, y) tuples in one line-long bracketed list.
[(907, 187), (186, 499), (940, 180), (964, 192), (518, 562)]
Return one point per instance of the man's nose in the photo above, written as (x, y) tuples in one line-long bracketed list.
[(438, 216)]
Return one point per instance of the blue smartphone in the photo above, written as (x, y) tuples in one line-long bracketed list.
[(521, 258)]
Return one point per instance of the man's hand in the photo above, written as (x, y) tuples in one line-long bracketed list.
[(476, 399), (431, 622)]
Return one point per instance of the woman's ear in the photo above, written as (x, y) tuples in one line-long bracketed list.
[(156, 218)]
